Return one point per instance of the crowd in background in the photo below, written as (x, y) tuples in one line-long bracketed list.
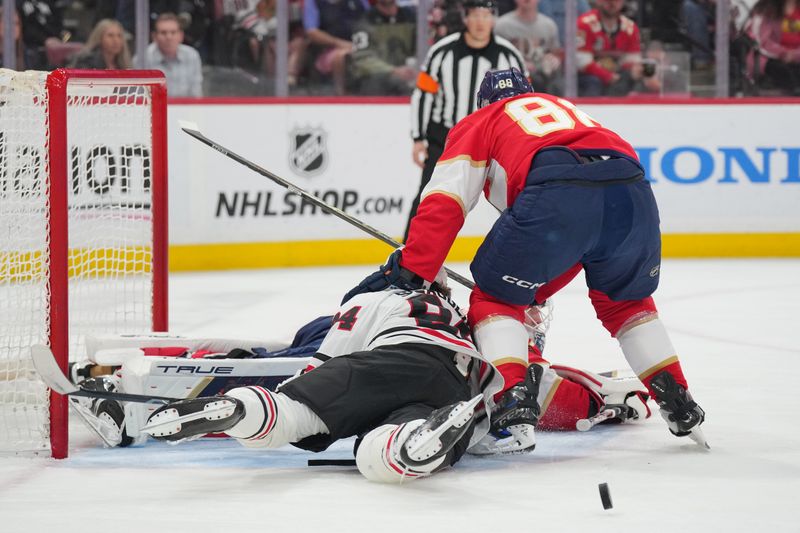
[(368, 47)]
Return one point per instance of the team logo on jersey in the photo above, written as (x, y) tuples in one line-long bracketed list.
[(309, 155)]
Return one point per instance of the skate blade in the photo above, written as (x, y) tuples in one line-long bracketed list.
[(110, 435), (461, 415), (168, 422), (699, 437), (522, 440)]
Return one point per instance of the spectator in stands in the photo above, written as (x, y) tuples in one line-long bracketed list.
[(194, 15), (444, 19), (179, 63), (609, 51), (106, 48), (384, 44), (536, 36), (556, 10), (42, 27), (19, 59), (329, 28), (258, 23), (697, 21), (775, 27), (255, 27)]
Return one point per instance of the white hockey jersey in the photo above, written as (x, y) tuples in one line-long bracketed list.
[(396, 316), (390, 317)]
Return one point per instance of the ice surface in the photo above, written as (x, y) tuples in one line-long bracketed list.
[(734, 323)]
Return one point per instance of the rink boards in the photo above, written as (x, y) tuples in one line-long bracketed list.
[(727, 178)]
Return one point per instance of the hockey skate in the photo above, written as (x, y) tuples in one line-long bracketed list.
[(514, 419), (679, 410), (190, 419), (438, 434), (104, 417)]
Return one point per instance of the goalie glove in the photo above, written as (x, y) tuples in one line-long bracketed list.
[(392, 274)]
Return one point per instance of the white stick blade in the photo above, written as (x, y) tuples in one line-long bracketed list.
[(48, 370), (188, 125)]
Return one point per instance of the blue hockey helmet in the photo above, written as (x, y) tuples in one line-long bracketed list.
[(499, 84)]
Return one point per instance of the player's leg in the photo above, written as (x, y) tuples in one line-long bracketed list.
[(401, 447), (622, 272), (255, 416)]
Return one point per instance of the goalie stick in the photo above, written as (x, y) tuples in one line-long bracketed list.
[(311, 198), (47, 367)]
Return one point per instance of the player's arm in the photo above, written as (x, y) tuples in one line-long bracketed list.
[(454, 190)]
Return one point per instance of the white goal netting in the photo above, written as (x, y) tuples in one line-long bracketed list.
[(109, 227)]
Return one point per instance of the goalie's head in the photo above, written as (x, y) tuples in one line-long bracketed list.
[(500, 84)]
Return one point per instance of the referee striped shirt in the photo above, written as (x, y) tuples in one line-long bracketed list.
[(450, 77)]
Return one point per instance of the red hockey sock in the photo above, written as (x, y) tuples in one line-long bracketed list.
[(673, 368), (513, 372)]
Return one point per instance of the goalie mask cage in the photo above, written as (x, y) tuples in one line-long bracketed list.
[(83, 229)]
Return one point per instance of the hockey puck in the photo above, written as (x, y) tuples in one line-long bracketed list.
[(605, 496), (331, 462)]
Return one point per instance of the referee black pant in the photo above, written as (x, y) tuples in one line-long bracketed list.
[(436, 136)]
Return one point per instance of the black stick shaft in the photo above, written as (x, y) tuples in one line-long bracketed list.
[(313, 199), (122, 396)]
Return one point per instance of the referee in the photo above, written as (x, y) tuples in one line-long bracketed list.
[(448, 82)]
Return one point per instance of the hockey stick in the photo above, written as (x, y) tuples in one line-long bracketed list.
[(311, 198), (585, 424), (53, 377)]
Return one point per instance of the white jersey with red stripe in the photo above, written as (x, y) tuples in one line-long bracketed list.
[(374, 319), (396, 316)]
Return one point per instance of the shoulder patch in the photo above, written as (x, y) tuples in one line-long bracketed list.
[(626, 25)]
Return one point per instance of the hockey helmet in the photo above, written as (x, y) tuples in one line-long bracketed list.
[(466, 5), (499, 84)]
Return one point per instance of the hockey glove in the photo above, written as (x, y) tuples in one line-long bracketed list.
[(390, 274)]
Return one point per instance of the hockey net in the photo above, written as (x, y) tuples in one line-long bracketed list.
[(82, 229)]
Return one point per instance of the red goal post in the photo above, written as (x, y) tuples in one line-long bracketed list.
[(83, 216)]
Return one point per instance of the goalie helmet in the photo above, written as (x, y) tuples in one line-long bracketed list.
[(500, 84)]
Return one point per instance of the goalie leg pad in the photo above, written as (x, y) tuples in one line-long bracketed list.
[(626, 391)]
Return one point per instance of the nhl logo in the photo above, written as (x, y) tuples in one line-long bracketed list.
[(308, 155)]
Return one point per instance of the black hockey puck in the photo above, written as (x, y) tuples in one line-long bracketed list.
[(331, 462), (605, 496)]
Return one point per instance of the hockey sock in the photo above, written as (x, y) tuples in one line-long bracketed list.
[(648, 349), (273, 419), (503, 341)]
